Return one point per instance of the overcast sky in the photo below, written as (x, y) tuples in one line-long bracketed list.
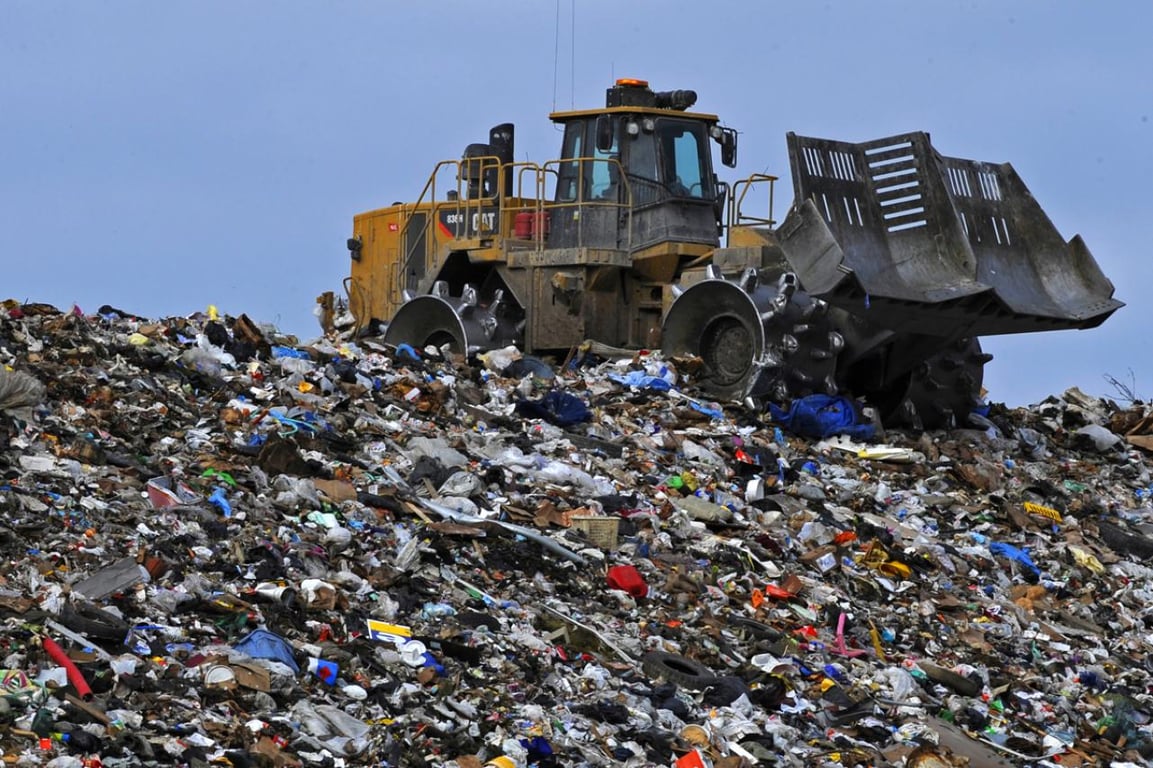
[(164, 156)]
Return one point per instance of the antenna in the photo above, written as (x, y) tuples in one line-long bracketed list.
[(572, 56), (555, 54)]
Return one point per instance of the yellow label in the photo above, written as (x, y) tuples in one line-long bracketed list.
[(382, 630), (1037, 509)]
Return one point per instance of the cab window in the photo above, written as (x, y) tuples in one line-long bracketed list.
[(568, 177), (643, 157), (601, 171), (683, 147)]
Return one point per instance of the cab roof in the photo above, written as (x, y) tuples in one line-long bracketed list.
[(561, 117)]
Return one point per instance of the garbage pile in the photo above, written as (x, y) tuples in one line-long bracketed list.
[(226, 547)]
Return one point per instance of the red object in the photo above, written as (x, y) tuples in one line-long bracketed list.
[(522, 225), (57, 654), (628, 579), (691, 759), (162, 492), (526, 225), (778, 592)]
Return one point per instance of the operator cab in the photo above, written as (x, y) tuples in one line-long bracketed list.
[(638, 174)]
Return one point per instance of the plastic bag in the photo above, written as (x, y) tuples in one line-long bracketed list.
[(822, 416), (19, 390)]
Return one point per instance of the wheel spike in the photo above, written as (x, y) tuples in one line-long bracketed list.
[(749, 281)]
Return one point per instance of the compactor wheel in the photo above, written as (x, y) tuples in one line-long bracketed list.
[(943, 389), (464, 324), (764, 339)]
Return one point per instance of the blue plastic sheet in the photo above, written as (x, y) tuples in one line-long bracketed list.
[(299, 354), (822, 416), (538, 749), (304, 420), (262, 644), (1013, 553), (559, 408), (641, 380), (406, 352), (708, 410), (221, 501)]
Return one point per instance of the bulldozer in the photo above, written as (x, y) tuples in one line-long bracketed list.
[(889, 265)]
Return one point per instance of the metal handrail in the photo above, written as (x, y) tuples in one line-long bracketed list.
[(465, 206), (357, 300), (736, 217), (537, 200), (462, 205), (408, 211), (579, 200)]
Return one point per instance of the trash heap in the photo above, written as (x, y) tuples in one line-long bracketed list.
[(226, 547)]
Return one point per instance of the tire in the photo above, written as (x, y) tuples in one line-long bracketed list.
[(757, 629), (681, 671), (94, 622), (1125, 541), (950, 679)]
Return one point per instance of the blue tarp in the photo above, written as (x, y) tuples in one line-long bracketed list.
[(641, 380), (262, 644), (559, 408), (822, 416)]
